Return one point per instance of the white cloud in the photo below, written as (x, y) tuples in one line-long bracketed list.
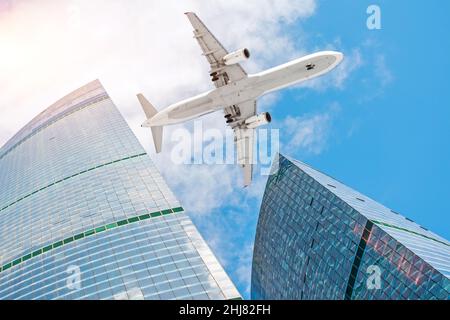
[(244, 270), (381, 75), (49, 48), (228, 235), (382, 71), (309, 132), (349, 65)]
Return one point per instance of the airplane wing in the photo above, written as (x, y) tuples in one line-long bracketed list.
[(244, 139), (221, 75), (214, 52)]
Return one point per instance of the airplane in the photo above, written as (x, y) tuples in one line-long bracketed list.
[(236, 92)]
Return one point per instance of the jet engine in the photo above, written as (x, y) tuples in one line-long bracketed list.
[(236, 57), (258, 120)]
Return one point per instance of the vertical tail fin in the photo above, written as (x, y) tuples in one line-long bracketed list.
[(150, 111)]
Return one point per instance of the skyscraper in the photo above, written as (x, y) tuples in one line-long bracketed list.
[(319, 239), (85, 214)]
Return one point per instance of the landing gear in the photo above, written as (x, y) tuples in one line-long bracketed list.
[(232, 114)]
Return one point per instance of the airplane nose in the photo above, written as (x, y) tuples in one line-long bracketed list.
[(339, 56)]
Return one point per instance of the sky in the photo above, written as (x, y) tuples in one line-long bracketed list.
[(379, 123)]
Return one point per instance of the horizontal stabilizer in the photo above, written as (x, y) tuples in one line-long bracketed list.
[(150, 112)]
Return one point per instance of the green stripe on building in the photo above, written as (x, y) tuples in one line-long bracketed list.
[(89, 233), (409, 231), (69, 177)]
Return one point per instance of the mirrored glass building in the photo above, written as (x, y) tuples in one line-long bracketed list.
[(85, 214), (319, 239)]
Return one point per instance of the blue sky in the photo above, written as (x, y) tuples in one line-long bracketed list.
[(386, 129)]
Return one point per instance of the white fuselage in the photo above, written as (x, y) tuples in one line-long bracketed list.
[(248, 88)]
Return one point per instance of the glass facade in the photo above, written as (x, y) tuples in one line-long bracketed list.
[(85, 214), (319, 239)]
